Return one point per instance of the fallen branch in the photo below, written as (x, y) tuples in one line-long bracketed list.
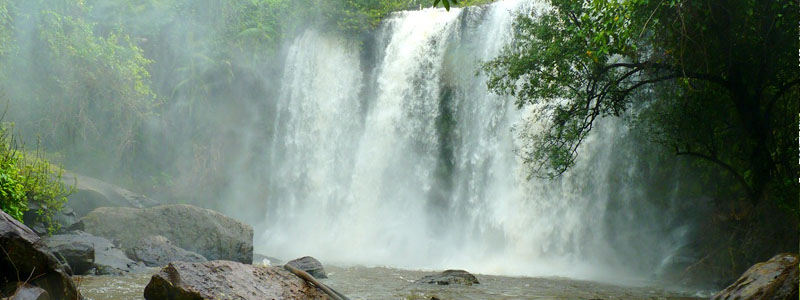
[(307, 277)]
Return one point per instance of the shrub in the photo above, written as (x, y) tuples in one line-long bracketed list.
[(27, 177)]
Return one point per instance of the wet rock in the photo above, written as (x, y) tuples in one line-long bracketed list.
[(208, 233), (75, 252), (775, 279), (91, 193), (310, 265), (108, 259), (449, 277), (29, 292), (26, 256), (157, 251), (227, 280), (65, 218)]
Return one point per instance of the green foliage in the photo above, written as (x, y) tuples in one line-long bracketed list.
[(116, 70), (12, 193), (560, 55), (6, 27), (91, 91), (44, 187), (27, 178), (357, 17), (256, 26), (445, 3), (448, 3), (712, 80)]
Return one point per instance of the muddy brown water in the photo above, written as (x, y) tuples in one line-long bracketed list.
[(388, 283)]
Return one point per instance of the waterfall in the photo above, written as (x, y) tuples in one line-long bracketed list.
[(405, 159)]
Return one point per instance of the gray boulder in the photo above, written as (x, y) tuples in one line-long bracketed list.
[(75, 252), (26, 256), (775, 279), (91, 193), (223, 280), (310, 265), (208, 233), (157, 251), (108, 259), (449, 277)]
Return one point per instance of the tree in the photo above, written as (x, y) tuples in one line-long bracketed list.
[(714, 80), (448, 3)]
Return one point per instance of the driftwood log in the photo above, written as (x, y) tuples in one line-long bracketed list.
[(324, 288)]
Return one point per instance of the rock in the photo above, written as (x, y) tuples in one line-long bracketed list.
[(450, 277), (266, 260), (157, 251), (76, 253), (91, 193), (775, 279), (108, 259), (65, 218), (29, 292), (199, 230), (309, 264), (227, 280), (25, 256)]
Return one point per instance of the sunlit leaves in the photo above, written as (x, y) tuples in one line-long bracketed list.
[(446, 3), (580, 60), (92, 85), (27, 178)]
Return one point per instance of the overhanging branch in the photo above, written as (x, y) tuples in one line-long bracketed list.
[(722, 164), (680, 72)]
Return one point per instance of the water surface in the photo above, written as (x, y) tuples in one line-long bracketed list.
[(389, 283)]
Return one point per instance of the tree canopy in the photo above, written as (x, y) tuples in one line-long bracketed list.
[(716, 83), (714, 80)]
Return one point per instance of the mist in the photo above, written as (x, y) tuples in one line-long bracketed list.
[(382, 148)]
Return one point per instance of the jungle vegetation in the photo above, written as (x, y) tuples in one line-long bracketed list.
[(714, 82)]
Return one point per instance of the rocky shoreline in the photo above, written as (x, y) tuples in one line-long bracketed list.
[(107, 230)]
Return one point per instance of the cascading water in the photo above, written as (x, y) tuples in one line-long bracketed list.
[(407, 160)]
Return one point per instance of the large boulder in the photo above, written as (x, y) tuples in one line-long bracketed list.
[(310, 265), (157, 251), (91, 193), (775, 279), (449, 277), (107, 259), (199, 230), (77, 253), (222, 280), (25, 256)]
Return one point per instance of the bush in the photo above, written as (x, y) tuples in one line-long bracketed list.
[(12, 193), (29, 178)]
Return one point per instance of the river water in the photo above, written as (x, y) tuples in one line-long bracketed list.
[(389, 283)]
